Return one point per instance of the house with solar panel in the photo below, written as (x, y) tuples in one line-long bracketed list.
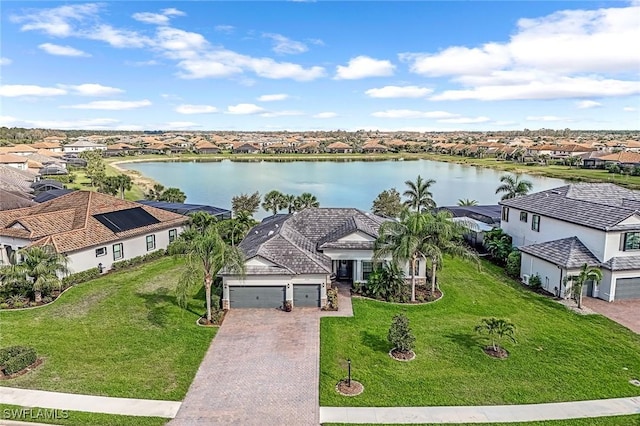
[(559, 230), (90, 228)]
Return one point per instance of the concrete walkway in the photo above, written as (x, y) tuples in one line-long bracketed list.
[(482, 414), (345, 309), (89, 403), (261, 369)]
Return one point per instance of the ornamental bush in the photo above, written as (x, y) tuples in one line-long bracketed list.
[(80, 277), (17, 358), (400, 335)]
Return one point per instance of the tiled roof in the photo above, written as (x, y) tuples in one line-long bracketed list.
[(622, 263), (12, 159), (67, 222), (623, 157), (594, 205), (339, 145), (291, 242), (14, 200), (567, 252)]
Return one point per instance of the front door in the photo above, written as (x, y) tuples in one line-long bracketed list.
[(345, 270)]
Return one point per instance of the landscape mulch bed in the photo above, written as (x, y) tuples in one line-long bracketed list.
[(343, 388), (21, 372), (501, 353), (214, 323), (402, 356)]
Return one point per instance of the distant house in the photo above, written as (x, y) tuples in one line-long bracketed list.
[(374, 147), (19, 162), (245, 148), (311, 147), (119, 149), (339, 148), (622, 158), (481, 218), (45, 185), (53, 146), (50, 194), (205, 147), (92, 229), (14, 179), (10, 200), (20, 149), (83, 145), (561, 229), (186, 209)]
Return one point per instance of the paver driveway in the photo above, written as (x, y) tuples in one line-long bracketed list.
[(261, 369), (625, 312)]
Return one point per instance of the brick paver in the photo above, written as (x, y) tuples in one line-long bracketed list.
[(261, 369), (625, 312)]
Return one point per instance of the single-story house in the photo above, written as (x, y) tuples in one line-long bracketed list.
[(296, 257), (339, 148), (92, 229), (16, 161), (83, 145)]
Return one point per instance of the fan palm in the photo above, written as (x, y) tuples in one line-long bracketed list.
[(513, 186), (418, 195), (587, 273), (306, 200), (273, 201)]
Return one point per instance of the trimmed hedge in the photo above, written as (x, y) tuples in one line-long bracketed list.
[(17, 358), (138, 260), (80, 277)]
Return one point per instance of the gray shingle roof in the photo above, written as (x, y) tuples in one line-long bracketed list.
[(292, 242), (567, 252), (594, 205), (622, 263)]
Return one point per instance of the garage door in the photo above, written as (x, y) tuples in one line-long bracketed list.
[(256, 296), (306, 295), (627, 288)]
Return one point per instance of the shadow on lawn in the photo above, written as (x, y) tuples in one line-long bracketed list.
[(466, 340), (375, 342), (158, 304)]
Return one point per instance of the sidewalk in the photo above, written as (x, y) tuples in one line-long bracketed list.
[(482, 414), (89, 403)]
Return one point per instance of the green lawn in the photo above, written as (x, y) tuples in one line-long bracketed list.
[(74, 418), (120, 335), (633, 420), (560, 355), (83, 182)]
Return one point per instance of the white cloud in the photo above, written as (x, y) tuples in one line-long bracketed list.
[(5, 61), (117, 37), (587, 104), (148, 63), (57, 21), (196, 109), (546, 118), (179, 44), (465, 120), (58, 50), (567, 54), (281, 113), (172, 11), (151, 18), (91, 89), (629, 109), (274, 97), (16, 90), (285, 46), (227, 29), (325, 115), (244, 109), (407, 113), (363, 67), (111, 105), (399, 92)]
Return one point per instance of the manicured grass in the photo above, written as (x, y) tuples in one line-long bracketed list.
[(74, 418), (120, 335), (633, 420), (83, 182), (560, 355)]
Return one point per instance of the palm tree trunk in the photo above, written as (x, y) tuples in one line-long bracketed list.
[(413, 279), (207, 292), (433, 277), (580, 298)]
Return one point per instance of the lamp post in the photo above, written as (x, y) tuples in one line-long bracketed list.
[(349, 372)]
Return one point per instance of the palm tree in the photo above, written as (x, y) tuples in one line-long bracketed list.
[(273, 201), (155, 192), (513, 186), (306, 200), (39, 268), (200, 221), (587, 273), (289, 202), (172, 195), (123, 183), (467, 202), (498, 330), (418, 195), (206, 254)]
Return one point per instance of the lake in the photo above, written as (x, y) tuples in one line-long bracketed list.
[(334, 183)]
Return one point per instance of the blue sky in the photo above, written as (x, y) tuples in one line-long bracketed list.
[(422, 66)]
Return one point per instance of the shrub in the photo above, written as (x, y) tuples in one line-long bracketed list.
[(287, 306), (4, 305), (16, 358), (400, 335), (19, 304), (80, 277), (332, 300), (138, 260), (535, 282), (513, 264)]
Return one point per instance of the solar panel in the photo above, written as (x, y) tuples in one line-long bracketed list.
[(124, 220)]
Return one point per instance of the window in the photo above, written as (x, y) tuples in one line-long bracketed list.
[(151, 242), (631, 241), (505, 214), (173, 234), (367, 268), (416, 270), (117, 251), (523, 216), (102, 251), (535, 223)]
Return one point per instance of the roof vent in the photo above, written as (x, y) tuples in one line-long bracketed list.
[(277, 225), (554, 191), (270, 232), (256, 232)]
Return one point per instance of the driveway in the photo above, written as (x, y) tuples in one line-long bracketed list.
[(261, 369), (625, 312)]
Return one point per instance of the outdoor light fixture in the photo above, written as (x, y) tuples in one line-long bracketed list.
[(100, 268)]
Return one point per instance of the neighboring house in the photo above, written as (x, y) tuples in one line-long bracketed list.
[(20, 149), (295, 257), (374, 147), (622, 158), (120, 149), (558, 230), (14, 200), (245, 148), (309, 148), (12, 178), (205, 147), (49, 146), (83, 145), (185, 209), (92, 229), (339, 148), (19, 162), (479, 219)]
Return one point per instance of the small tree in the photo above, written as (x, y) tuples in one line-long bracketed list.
[(246, 203), (587, 273), (172, 195), (513, 263), (387, 203), (400, 335), (498, 331)]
